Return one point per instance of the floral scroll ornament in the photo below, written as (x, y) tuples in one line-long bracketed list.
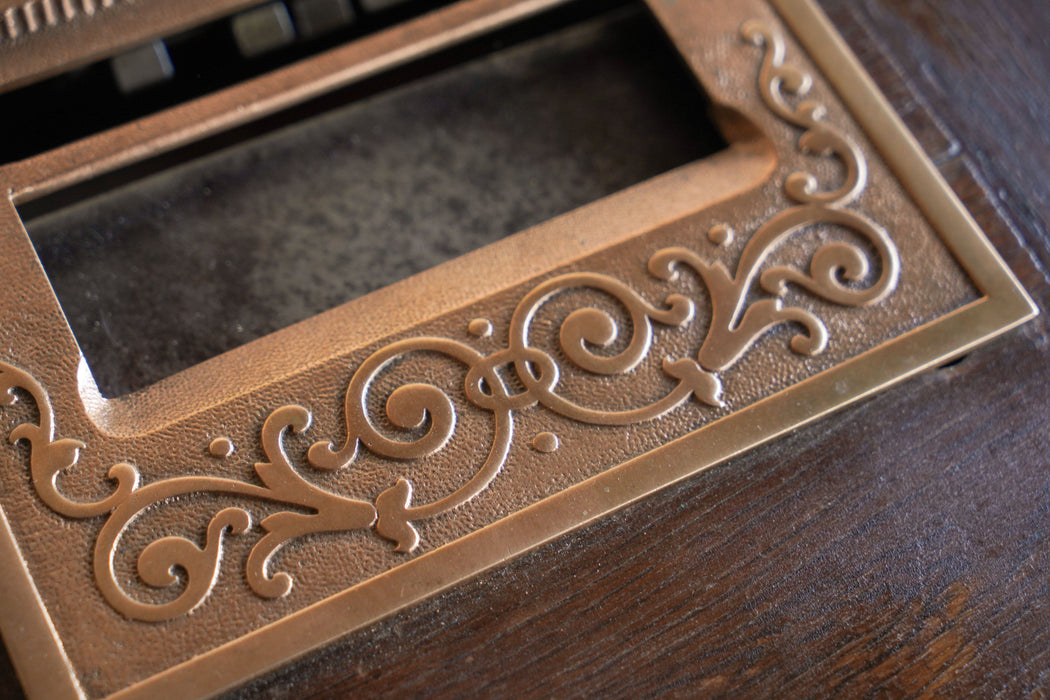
[(426, 414)]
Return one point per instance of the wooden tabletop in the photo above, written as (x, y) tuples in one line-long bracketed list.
[(896, 549)]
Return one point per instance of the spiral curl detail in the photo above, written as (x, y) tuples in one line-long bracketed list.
[(421, 418)]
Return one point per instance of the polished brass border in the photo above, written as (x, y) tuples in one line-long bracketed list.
[(27, 628)]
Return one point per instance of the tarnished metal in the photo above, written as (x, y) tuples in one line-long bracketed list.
[(315, 480)]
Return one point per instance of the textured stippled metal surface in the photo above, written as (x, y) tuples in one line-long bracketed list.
[(186, 536)]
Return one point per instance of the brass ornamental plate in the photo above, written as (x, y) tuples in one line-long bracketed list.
[(180, 540)]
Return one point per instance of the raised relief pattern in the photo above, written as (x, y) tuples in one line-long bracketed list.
[(518, 377)]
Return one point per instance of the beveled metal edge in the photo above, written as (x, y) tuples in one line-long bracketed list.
[(30, 638), (626, 214), (1005, 306), (905, 157)]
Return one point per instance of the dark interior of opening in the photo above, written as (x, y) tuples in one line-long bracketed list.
[(190, 255)]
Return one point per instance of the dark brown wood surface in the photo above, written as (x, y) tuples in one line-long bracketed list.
[(897, 549)]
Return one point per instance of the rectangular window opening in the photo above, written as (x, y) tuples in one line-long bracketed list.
[(165, 265)]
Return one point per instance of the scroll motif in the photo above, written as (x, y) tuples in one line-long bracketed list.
[(519, 377)]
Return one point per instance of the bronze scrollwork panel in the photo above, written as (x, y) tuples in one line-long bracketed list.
[(199, 532)]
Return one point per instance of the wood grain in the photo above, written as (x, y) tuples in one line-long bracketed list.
[(898, 549)]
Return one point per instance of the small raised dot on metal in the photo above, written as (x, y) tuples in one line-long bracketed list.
[(221, 447), (480, 328), (721, 234), (545, 442)]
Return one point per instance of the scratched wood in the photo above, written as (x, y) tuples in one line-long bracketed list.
[(898, 548)]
